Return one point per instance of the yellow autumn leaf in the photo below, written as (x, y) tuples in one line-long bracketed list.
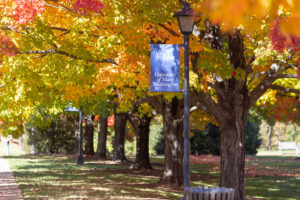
[(291, 26)]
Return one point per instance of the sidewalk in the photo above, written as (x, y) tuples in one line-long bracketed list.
[(9, 189)]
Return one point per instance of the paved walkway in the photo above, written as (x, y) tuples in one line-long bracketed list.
[(9, 189)]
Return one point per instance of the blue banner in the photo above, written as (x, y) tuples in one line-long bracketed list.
[(165, 68)]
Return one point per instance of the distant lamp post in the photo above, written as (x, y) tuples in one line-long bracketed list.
[(186, 20), (80, 160)]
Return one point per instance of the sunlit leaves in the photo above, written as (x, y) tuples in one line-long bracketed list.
[(86, 6), (213, 61), (200, 119), (281, 42), (232, 13), (278, 108), (87, 31), (26, 10), (7, 47)]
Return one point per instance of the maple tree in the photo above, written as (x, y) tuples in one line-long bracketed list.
[(141, 124), (32, 44)]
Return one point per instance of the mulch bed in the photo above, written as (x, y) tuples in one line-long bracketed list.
[(251, 170)]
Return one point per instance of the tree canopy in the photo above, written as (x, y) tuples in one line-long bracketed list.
[(96, 53)]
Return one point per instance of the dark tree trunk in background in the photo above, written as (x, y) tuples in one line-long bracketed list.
[(89, 135), (77, 134), (102, 137), (269, 134), (142, 159), (173, 136), (52, 140), (119, 139), (141, 125)]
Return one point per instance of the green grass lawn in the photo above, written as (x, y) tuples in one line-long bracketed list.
[(279, 178), (58, 177)]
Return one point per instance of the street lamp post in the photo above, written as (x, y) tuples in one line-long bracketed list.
[(186, 20), (80, 160)]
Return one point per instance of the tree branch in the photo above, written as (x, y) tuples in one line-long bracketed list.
[(260, 89), (215, 87), (134, 121), (283, 89), (266, 84), (9, 28), (203, 101), (288, 65), (68, 30), (45, 52), (61, 7), (172, 32), (278, 76), (156, 102), (248, 68)]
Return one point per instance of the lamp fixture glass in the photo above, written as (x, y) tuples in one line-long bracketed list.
[(186, 19)]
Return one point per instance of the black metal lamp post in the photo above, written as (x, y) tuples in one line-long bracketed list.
[(186, 20), (80, 160)]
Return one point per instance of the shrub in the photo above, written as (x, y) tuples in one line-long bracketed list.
[(208, 140), (64, 137)]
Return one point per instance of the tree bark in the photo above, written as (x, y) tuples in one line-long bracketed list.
[(141, 125), (52, 140), (89, 135), (77, 135), (269, 134), (173, 136), (234, 107), (119, 139), (102, 137), (233, 156)]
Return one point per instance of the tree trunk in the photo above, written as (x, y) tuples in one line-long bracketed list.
[(141, 125), (89, 135), (102, 137), (119, 139), (232, 126), (270, 129), (52, 140), (233, 157), (173, 137)]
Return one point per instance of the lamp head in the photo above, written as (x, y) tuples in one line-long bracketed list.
[(186, 18)]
